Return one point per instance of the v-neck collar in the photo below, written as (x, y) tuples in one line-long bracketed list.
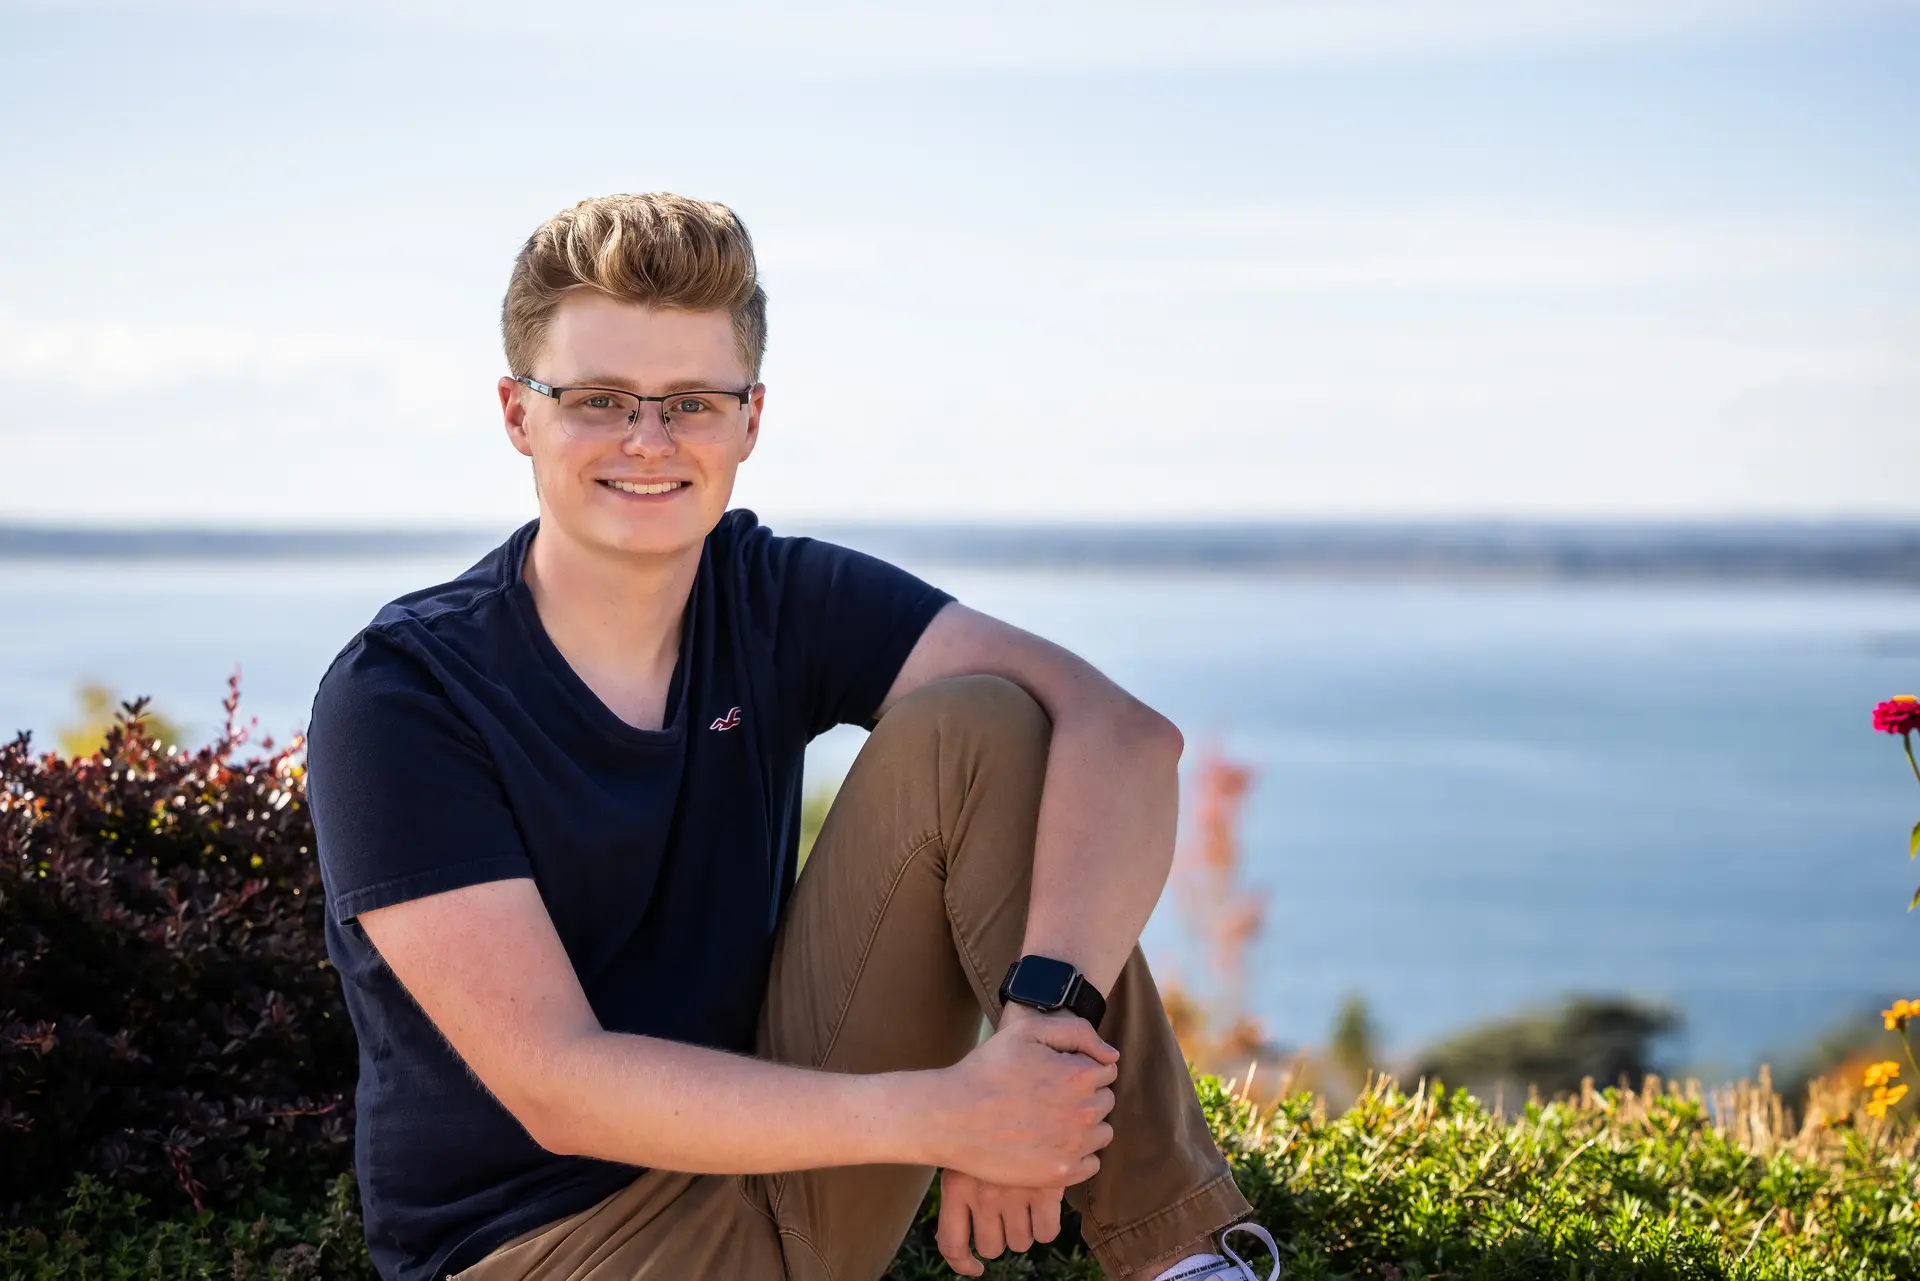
[(674, 723)]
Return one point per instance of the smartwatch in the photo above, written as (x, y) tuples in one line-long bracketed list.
[(1047, 984)]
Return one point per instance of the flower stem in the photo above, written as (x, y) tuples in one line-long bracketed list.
[(1906, 1043), (1906, 741)]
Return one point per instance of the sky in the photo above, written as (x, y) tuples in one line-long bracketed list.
[(1066, 262)]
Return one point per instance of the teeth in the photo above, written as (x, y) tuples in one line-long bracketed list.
[(664, 487)]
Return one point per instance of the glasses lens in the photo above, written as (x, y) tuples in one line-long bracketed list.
[(589, 411), (701, 415)]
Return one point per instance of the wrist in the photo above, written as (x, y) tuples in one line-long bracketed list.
[(909, 1118), (1049, 984), (1013, 1012)]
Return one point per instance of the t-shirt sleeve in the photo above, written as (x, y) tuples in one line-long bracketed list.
[(404, 797), (855, 619)]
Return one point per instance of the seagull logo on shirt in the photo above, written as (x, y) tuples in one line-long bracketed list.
[(728, 721)]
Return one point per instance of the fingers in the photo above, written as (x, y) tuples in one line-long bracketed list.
[(1101, 1135), (1102, 1103), (1045, 1213), (989, 1232), (1016, 1223), (952, 1234), (1072, 1036), (1007, 1218), (989, 1219)]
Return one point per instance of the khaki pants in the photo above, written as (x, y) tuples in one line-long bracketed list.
[(911, 908)]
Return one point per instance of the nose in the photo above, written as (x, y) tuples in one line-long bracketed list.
[(643, 439)]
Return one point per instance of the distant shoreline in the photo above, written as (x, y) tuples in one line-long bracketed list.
[(1758, 550)]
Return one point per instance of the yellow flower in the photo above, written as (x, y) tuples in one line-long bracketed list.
[(1898, 1017), (1883, 1098), (1881, 1073)]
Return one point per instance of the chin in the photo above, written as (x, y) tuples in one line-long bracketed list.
[(662, 533)]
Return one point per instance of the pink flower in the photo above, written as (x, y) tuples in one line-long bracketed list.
[(1900, 715)]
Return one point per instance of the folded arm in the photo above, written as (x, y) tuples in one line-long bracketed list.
[(1108, 810), (1110, 803)]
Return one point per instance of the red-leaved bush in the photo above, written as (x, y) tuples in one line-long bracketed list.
[(168, 1017)]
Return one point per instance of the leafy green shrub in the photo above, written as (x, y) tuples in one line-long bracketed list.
[(168, 1018), (1610, 1186), (1613, 1186)]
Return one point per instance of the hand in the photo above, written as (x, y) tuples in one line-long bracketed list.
[(995, 1217), (1028, 1107)]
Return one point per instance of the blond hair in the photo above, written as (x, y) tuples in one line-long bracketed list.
[(656, 249)]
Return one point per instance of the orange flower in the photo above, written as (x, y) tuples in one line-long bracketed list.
[(1881, 1073), (1900, 1015), (1884, 1098)]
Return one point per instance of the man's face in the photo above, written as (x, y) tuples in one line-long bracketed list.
[(601, 342)]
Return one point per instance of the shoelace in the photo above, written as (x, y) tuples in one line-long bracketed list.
[(1260, 1234)]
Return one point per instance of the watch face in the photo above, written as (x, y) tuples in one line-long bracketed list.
[(1040, 981)]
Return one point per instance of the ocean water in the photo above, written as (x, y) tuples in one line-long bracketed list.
[(1468, 796)]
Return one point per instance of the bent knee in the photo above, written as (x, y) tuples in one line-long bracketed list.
[(992, 706)]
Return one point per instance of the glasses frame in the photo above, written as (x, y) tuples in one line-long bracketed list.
[(744, 396)]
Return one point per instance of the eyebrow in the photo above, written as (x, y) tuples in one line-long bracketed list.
[(619, 382)]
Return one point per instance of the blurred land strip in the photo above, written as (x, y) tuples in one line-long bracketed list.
[(1857, 551)]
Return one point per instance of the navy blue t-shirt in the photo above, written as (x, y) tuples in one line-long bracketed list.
[(451, 744)]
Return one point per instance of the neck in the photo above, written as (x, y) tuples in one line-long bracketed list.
[(609, 612)]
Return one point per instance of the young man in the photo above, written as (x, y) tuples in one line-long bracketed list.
[(604, 1033)]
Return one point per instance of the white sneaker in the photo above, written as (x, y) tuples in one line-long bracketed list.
[(1211, 1267), (1240, 1269)]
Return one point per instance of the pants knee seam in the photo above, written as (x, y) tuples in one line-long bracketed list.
[(963, 945), (866, 948), (806, 1242), (740, 1187)]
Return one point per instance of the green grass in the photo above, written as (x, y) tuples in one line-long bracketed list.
[(1660, 1184)]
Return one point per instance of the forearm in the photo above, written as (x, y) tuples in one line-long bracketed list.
[(650, 1102), (1108, 816)]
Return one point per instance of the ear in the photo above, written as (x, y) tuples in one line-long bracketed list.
[(513, 414), (755, 403)]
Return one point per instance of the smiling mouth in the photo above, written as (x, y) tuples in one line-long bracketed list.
[(650, 487)]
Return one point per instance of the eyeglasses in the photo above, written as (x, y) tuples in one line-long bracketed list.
[(697, 417)]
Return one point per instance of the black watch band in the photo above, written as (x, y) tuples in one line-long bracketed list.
[(1047, 984)]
